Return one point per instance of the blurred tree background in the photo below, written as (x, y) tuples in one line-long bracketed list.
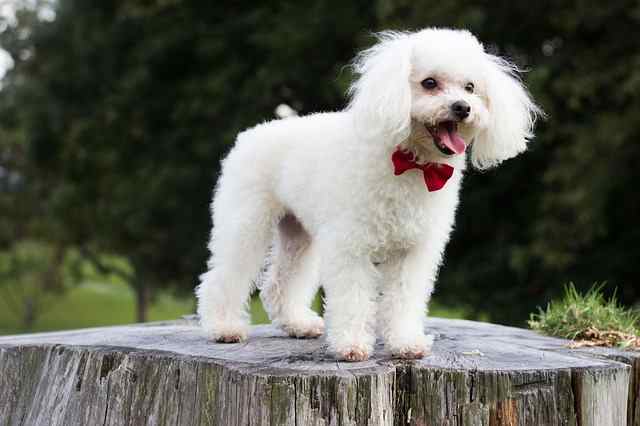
[(114, 116)]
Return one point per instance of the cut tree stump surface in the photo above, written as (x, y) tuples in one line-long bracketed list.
[(169, 373)]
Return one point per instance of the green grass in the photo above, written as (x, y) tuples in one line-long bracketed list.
[(95, 304), (589, 317)]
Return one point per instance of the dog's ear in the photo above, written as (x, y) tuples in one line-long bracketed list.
[(381, 95), (512, 115)]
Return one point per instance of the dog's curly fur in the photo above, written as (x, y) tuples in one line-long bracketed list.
[(321, 192)]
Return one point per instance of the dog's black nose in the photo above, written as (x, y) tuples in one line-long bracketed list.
[(460, 109)]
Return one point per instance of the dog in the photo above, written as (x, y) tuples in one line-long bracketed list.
[(361, 200)]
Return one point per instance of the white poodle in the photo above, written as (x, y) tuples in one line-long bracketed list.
[(363, 200)]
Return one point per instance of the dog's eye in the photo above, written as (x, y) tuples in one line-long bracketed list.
[(469, 87), (429, 83)]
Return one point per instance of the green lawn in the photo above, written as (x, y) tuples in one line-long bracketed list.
[(99, 304), (96, 304)]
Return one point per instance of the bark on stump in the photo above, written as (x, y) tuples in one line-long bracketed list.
[(168, 373)]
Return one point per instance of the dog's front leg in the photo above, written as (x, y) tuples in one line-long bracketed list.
[(350, 283), (407, 285)]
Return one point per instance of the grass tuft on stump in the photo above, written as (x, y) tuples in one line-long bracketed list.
[(588, 319)]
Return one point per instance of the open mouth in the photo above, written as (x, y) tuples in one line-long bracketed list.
[(446, 138)]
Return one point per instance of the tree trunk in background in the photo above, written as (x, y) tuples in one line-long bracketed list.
[(143, 295), (29, 316), (52, 279)]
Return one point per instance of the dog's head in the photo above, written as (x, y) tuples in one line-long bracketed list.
[(441, 90)]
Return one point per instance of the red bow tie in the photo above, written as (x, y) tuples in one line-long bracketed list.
[(435, 174)]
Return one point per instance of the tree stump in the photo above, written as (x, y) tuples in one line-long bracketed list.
[(169, 374)]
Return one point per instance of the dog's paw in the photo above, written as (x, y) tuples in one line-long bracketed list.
[(353, 352), (226, 333), (417, 348), (354, 355), (307, 328), (411, 354), (230, 338), (350, 346)]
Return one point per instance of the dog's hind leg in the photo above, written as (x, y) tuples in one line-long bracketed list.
[(292, 280), (244, 218)]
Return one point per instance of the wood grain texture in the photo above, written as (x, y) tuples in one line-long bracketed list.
[(169, 374)]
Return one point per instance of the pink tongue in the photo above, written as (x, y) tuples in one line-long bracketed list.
[(451, 139)]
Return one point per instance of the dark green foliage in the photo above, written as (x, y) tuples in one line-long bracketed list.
[(124, 110), (566, 209), (119, 114)]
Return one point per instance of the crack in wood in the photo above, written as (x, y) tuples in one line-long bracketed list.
[(80, 372), (106, 407), (108, 365)]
